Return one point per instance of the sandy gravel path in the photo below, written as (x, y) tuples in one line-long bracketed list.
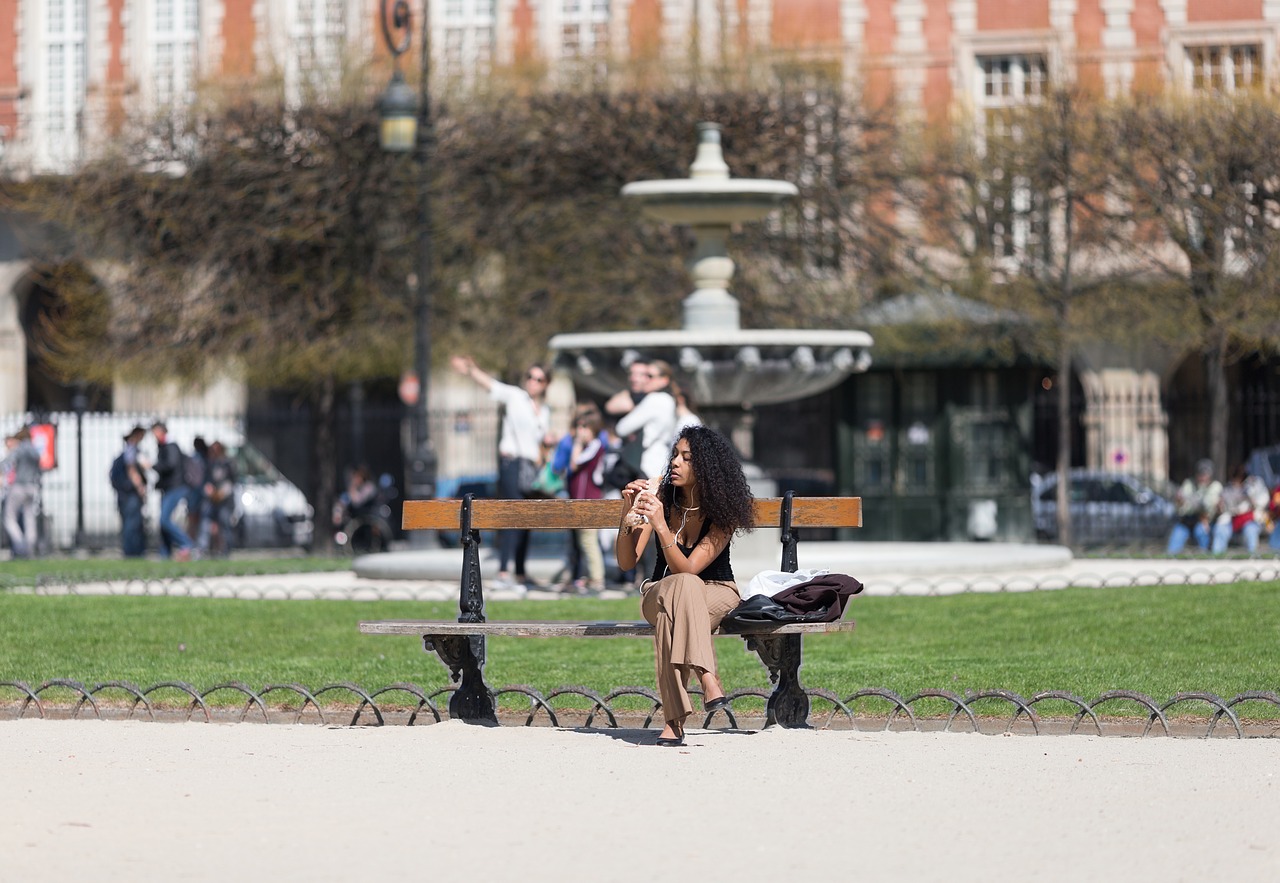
[(136, 801)]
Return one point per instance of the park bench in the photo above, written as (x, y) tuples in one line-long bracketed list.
[(461, 645)]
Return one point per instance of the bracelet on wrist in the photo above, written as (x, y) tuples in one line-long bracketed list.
[(668, 545)]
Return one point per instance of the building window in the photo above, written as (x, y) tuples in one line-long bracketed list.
[(1015, 215), (584, 28), (469, 29), (1224, 68), (175, 45), (59, 108), (317, 37), (1013, 79)]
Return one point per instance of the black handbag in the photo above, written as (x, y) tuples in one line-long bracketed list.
[(625, 467), (526, 474), (761, 609)]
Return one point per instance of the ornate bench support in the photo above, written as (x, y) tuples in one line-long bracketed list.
[(788, 705), (464, 655)]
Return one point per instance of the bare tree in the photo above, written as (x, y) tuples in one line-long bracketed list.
[(1023, 207), (1201, 176)]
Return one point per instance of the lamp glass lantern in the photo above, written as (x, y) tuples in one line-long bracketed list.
[(398, 116)]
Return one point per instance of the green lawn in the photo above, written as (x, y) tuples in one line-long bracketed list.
[(1155, 640)]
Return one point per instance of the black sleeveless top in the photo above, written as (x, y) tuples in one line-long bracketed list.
[(720, 569)]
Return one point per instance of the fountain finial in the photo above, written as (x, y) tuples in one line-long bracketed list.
[(709, 161)]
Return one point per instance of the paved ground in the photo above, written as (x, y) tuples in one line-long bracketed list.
[(132, 801)]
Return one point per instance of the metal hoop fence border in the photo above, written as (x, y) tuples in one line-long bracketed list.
[(978, 712)]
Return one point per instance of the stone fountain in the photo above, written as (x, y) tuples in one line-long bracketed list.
[(727, 367)]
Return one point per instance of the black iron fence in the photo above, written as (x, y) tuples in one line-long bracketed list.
[(1251, 714), (1129, 451)]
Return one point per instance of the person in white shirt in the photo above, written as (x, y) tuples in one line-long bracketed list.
[(525, 433), (653, 422), (654, 418)]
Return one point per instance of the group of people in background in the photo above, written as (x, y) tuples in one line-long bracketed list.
[(606, 448), (203, 481), (1213, 514)]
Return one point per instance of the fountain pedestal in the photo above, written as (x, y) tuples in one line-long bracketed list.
[(722, 364)]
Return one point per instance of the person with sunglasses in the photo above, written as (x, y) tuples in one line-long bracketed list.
[(524, 435)]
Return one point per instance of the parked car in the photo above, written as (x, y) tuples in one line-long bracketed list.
[(1106, 508), (1265, 463)]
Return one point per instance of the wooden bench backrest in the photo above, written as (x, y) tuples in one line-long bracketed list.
[(579, 514)]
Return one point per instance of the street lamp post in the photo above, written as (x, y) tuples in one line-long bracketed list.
[(405, 126)]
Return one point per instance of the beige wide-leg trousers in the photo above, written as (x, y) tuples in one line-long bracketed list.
[(683, 610)]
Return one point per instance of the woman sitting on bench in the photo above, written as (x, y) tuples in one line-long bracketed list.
[(693, 515)]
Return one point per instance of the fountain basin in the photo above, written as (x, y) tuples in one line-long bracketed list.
[(722, 367), (710, 202)]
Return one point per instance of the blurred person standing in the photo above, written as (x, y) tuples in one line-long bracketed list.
[(624, 400), (525, 434), (128, 478), (174, 541), (220, 502), (193, 475), (22, 502), (586, 479), (653, 420)]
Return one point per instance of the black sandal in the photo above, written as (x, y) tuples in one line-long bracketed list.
[(672, 741), (716, 704)]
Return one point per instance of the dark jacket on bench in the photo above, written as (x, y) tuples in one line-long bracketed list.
[(830, 591)]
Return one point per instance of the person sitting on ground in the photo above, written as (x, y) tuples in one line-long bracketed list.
[(1273, 519), (360, 494), (703, 500), (1244, 509), (1199, 502)]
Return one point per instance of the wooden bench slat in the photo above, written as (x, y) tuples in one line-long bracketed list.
[(579, 514), (565, 629)]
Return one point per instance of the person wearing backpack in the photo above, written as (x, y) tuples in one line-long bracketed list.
[(131, 490), (172, 485)]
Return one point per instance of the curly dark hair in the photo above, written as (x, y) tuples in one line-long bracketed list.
[(723, 492)]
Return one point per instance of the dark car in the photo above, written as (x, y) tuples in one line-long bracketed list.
[(1106, 508), (1265, 463)]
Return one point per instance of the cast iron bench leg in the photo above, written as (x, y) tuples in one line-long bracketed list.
[(788, 705), (463, 655)]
